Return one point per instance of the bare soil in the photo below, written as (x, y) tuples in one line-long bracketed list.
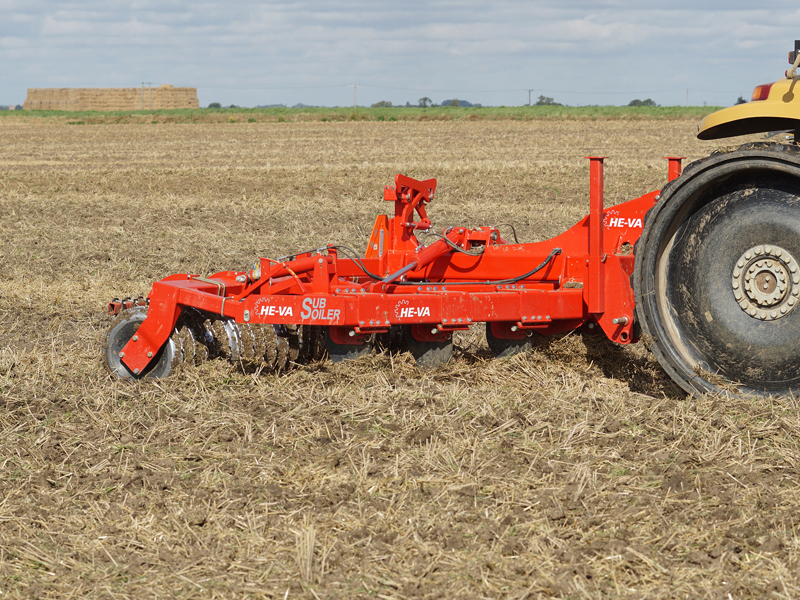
[(577, 470)]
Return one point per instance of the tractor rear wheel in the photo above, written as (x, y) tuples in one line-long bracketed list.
[(717, 275)]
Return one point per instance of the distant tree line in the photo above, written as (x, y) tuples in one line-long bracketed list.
[(546, 101), (425, 102), (638, 102)]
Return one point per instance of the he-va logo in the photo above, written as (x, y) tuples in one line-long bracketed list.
[(270, 310), (410, 312), (617, 221)]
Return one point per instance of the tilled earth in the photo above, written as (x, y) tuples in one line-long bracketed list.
[(577, 470)]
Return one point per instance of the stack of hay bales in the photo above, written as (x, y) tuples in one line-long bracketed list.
[(162, 97)]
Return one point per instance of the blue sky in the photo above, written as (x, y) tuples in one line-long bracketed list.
[(312, 52)]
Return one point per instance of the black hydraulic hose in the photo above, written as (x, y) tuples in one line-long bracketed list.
[(553, 253), (353, 255)]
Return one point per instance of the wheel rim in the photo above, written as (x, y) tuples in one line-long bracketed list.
[(765, 282), (122, 330)]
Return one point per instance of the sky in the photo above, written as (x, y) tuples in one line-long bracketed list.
[(323, 53)]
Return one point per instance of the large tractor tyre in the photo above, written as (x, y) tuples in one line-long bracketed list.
[(717, 275)]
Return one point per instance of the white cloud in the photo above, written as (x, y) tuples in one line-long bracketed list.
[(591, 47)]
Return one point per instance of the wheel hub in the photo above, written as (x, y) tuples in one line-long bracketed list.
[(765, 282)]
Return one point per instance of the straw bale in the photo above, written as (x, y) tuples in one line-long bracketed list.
[(79, 99)]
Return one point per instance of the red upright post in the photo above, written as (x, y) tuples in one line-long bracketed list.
[(596, 292), (674, 166)]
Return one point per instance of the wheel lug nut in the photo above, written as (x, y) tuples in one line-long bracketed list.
[(773, 314), (768, 250)]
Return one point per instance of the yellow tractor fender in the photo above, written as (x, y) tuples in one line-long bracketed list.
[(775, 107)]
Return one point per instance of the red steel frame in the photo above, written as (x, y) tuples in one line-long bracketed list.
[(581, 277)]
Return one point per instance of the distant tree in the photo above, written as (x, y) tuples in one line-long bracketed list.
[(638, 102), (546, 101), (215, 105), (741, 100), (18, 107), (382, 104), (454, 102), (425, 102), (233, 106)]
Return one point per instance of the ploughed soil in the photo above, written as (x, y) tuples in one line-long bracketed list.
[(576, 470)]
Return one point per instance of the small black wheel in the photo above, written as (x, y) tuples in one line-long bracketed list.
[(428, 354), (338, 350), (122, 329), (503, 347), (717, 275)]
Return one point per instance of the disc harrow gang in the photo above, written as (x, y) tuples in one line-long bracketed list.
[(199, 337)]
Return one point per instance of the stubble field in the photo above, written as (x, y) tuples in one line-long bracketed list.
[(577, 470)]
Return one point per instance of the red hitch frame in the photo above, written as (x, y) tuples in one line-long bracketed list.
[(578, 278)]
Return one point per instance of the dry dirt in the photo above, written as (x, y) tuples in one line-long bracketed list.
[(574, 471)]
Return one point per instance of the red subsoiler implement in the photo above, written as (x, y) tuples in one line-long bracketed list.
[(714, 284), (402, 293)]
